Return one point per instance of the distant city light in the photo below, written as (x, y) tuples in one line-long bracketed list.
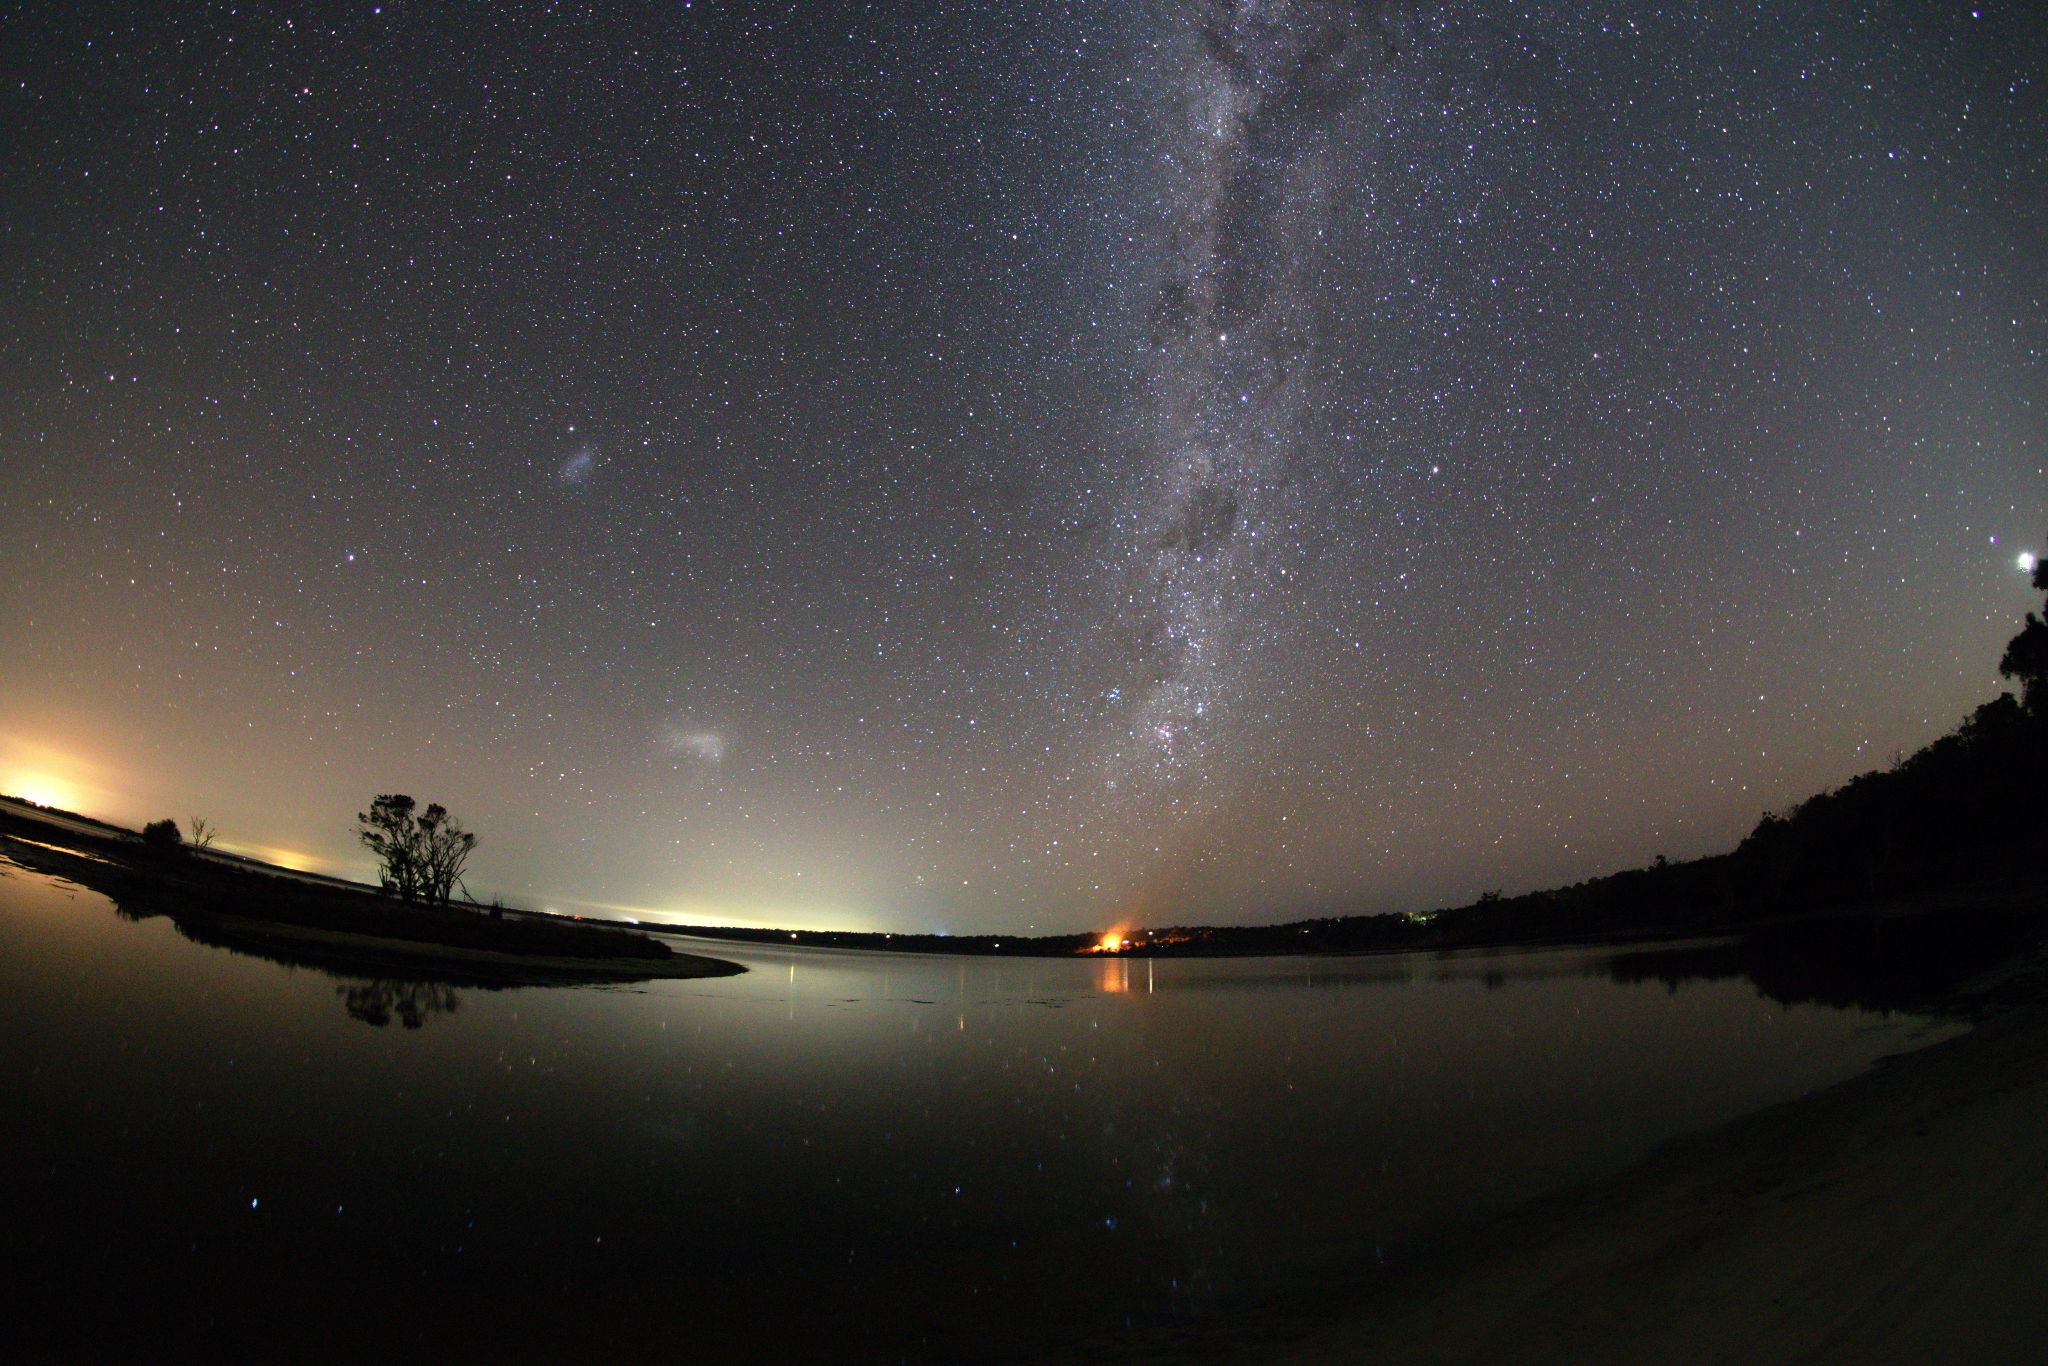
[(43, 790)]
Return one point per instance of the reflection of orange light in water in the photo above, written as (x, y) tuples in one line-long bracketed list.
[(1114, 979)]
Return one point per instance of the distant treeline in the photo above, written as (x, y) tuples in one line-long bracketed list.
[(1047, 945), (1962, 820), (1865, 962)]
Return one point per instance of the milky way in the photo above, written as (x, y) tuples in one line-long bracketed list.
[(946, 466), (1212, 534)]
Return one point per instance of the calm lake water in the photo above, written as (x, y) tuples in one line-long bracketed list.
[(834, 1154)]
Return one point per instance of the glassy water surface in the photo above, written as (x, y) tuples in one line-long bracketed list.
[(838, 1154)]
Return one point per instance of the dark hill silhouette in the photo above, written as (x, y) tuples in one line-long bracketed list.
[(1960, 823)]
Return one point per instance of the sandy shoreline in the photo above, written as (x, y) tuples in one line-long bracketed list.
[(1901, 1216), (360, 952)]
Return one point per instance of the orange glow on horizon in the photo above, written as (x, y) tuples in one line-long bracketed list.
[(703, 912), (50, 775), (296, 860), (42, 789)]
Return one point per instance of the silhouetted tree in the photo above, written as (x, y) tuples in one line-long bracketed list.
[(386, 830), (445, 848), (2026, 655), (203, 832), (421, 854), (162, 835)]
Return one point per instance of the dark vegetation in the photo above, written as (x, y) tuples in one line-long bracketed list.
[(1961, 824), (420, 854), (1957, 828), (390, 960), (1913, 963), (1962, 820), (290, 918), (1039, 946)]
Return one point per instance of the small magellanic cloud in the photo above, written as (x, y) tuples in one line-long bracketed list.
[(577, 469)]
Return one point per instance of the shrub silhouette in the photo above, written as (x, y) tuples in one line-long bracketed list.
[(2026, 654)]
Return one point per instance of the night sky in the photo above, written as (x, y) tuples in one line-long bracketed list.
[(1007, 466)]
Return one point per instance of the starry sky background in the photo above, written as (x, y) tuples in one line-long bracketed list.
[(788, 463)]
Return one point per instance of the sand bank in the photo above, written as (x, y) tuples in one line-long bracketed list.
[(1901, 1216), (364, 953)]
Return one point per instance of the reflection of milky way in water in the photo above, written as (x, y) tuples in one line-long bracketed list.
[(939, 1134), (1207, 540)]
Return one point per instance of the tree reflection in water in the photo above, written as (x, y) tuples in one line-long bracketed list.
[(377, 999), (1916, 963)]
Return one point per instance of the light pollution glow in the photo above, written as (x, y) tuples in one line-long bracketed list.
[(1288, 459), (42, 773), (47, 776)]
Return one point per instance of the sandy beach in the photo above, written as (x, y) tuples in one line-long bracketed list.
[(1901, 1216)]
